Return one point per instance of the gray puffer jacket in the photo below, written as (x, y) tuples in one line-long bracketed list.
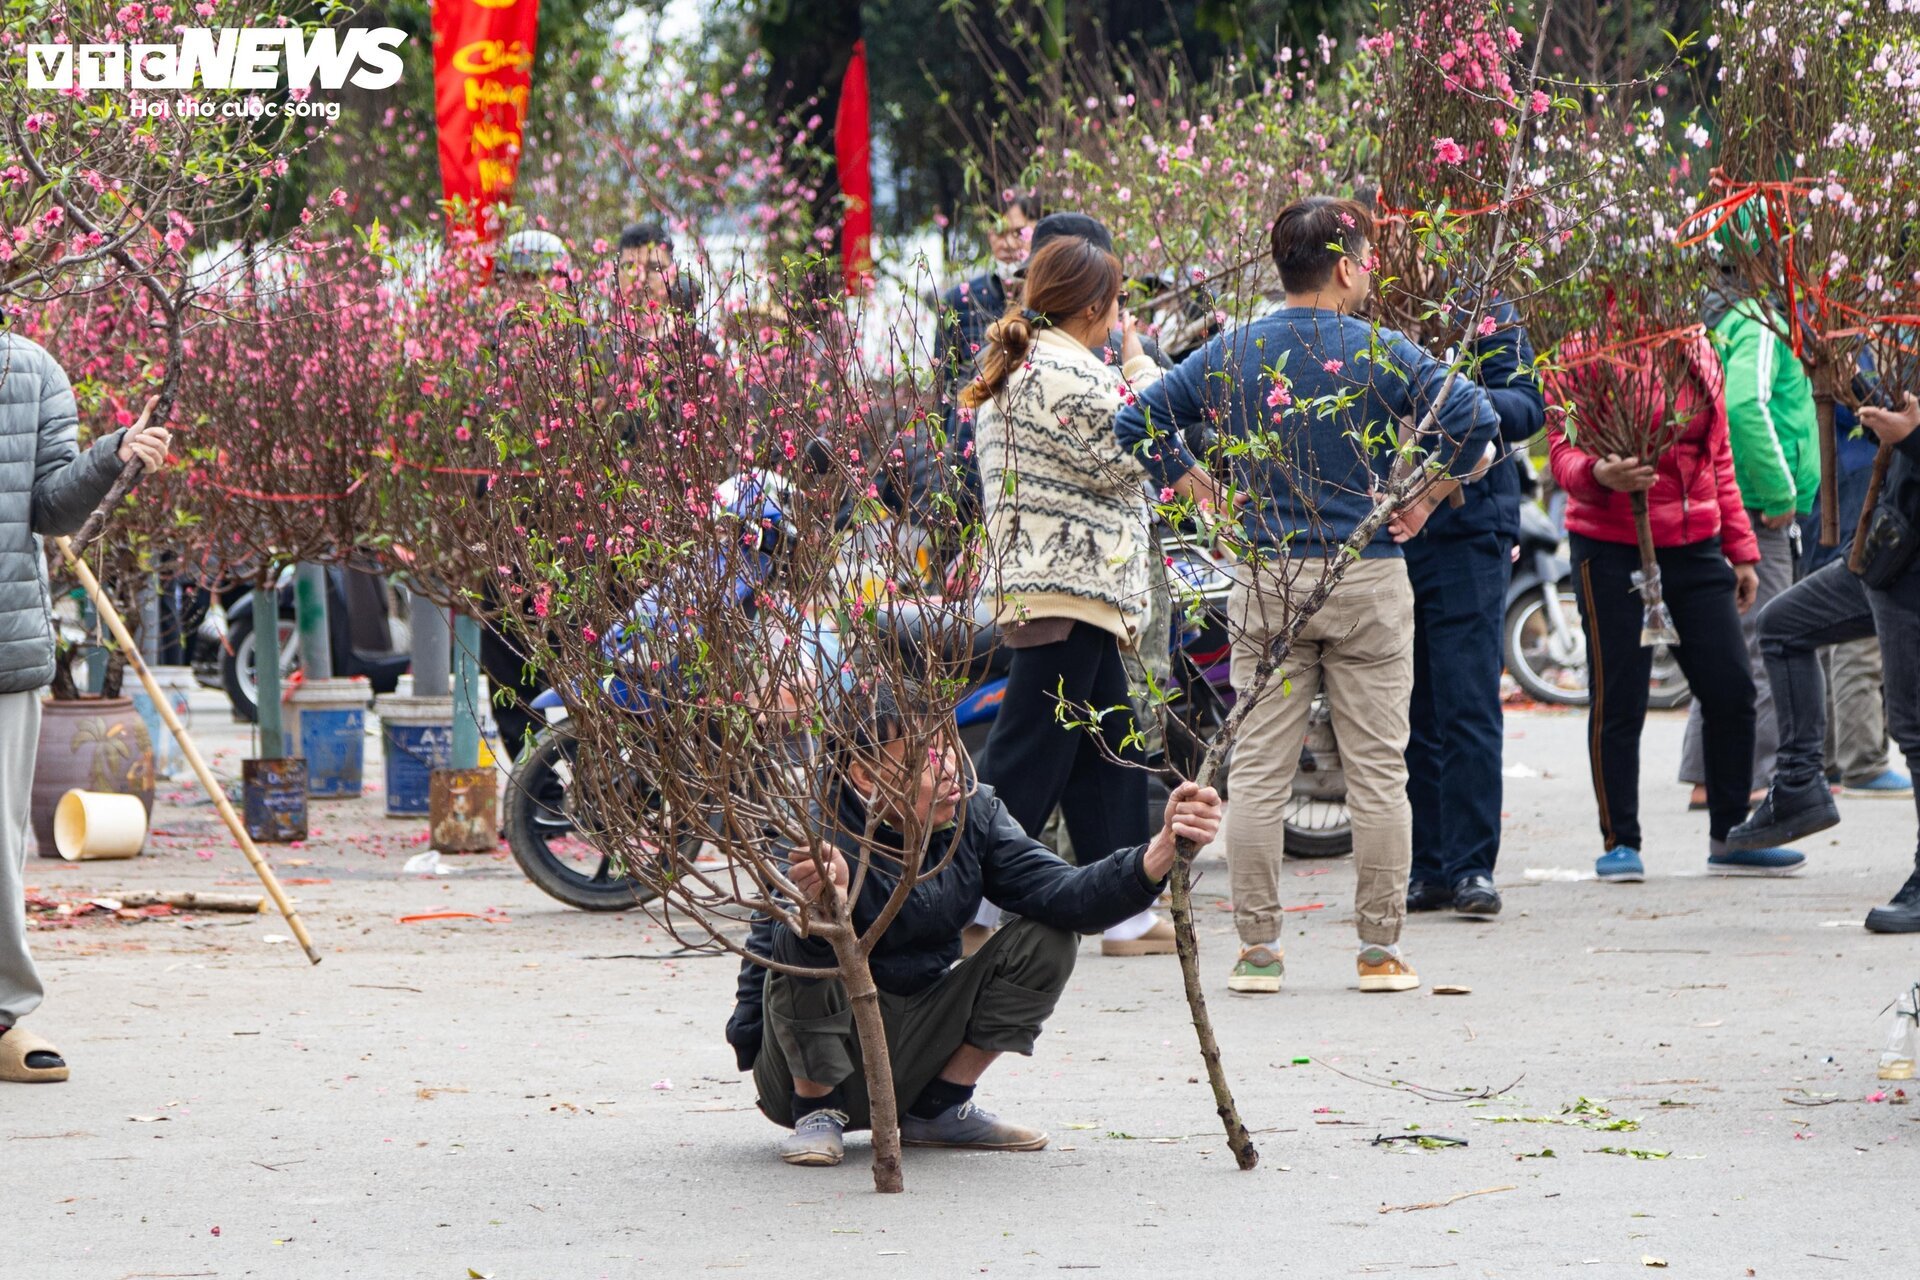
[(47, 487)]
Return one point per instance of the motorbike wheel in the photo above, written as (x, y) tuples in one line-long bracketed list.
[(1668, 686), (1316, 819), (1549, 668), (237, 674), (556, 854), (1555, 671)]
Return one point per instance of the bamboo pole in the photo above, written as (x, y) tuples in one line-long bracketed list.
[(239, 829)]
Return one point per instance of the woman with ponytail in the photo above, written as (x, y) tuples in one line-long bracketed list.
[(1068, 519)]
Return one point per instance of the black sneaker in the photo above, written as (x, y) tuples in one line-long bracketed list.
[(1428, 895), (1785, 816), (1476, 896), (1902, 915)]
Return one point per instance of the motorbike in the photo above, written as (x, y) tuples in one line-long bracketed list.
[(366, 622), (1542, 642), (1316, 821)]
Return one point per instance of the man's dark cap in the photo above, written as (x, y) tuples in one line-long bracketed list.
[(1077, 225)]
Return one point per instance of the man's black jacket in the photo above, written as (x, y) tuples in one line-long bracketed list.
[(995, 859), (1505, 371)]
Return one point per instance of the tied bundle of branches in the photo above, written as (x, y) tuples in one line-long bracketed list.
[(678, 565), (455, 373), (109, 193), (1820, 106), (1630, 366), (293, 383), (1455, 106)]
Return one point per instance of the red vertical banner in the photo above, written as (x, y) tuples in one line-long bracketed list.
[(482, 82), (852, 154)]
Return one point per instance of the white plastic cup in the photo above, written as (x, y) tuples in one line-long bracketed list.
[(91, 825)]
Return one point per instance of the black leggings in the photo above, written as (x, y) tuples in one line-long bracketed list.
[(1036, 763), (515, 719), (1697, 583)]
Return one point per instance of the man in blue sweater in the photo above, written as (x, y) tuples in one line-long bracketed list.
[(1460, 566), (1314, 403)]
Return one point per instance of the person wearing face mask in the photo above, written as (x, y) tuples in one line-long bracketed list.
[(946, 1022), (969, 307)]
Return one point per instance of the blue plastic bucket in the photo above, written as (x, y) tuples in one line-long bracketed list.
[(417, 736), (330, 729)]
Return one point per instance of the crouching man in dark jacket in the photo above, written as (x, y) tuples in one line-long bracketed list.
[(946, 1023)]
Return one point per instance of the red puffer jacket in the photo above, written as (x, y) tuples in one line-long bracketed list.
[(1693, 496)]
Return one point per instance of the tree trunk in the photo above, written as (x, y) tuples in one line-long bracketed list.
[(116, 674), (1238, 1139), (1882, 459), (1643, 532), (266, 666), (856, 975), (63, 687), (1829, 461)]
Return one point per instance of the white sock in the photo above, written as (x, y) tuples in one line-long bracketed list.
[(1273, 946), (1136, 927), (1391, 949)]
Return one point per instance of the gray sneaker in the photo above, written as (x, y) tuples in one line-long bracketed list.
[(815, 1140), (967, 1126)]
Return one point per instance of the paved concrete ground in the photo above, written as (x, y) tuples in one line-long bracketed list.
[(522, 1097)]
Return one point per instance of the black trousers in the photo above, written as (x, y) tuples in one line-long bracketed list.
[(1697, 583), (1456, 730), (506, 669), (1831, 606), (1036, 763)]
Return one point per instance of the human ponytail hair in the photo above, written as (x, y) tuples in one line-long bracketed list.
[(1068, 276), (1008, 340)]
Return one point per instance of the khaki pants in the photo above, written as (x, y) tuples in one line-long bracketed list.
[(996, 999), (1359, 649)]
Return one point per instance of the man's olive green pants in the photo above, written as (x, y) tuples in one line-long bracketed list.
[(995, 999)]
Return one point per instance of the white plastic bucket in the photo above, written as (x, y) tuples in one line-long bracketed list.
[(176, 686), (90, 825)]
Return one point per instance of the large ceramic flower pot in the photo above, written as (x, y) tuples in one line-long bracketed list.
[(94, 744)]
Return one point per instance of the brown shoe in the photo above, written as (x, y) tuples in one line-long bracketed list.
[(1381, 970), (974, 937), (1157, 941)]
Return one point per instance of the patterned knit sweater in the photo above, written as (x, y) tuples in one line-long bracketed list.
[(1066, 507)]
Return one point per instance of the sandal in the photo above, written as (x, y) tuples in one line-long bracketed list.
[(16, 1046)]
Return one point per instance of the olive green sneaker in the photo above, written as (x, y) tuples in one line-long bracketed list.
[(1258, 971)]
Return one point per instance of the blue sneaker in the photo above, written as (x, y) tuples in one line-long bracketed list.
[(1891, 785), (1756, 862), (1621, 865)]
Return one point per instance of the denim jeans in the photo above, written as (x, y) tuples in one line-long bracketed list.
[(1832, 606)]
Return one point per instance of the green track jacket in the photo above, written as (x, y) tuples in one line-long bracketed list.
[(1776, 450)]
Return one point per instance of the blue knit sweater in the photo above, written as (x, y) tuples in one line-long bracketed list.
[(1347, 387)]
